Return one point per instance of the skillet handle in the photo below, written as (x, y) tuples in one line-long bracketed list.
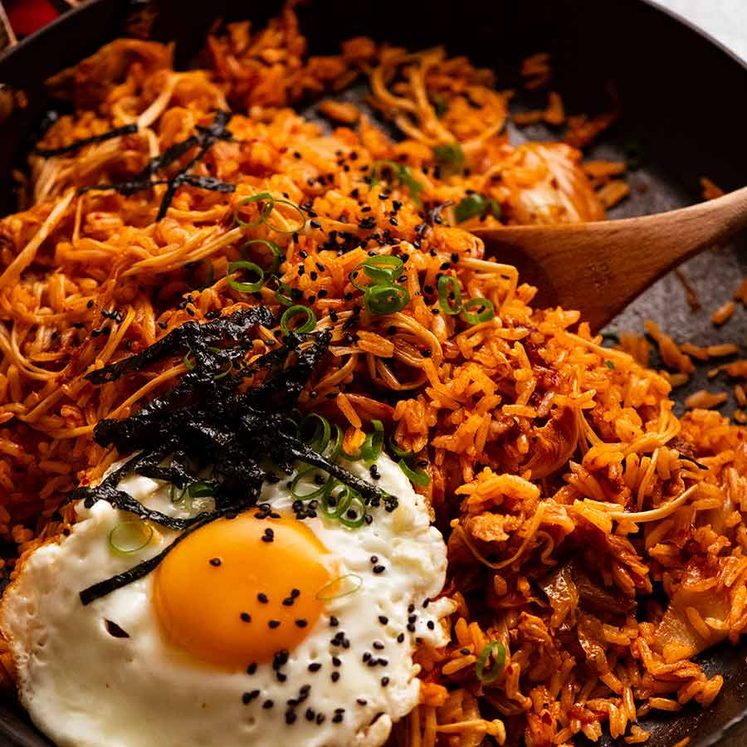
[(7, 37)]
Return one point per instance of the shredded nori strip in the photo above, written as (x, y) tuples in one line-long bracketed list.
[(127, 129), (204, 140), (215, 422)]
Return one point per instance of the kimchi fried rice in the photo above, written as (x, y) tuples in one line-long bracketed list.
[(596, 541)]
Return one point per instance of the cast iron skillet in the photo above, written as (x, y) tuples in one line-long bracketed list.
[(685, 113)]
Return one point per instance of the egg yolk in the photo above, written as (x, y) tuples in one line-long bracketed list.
[(238, 590)]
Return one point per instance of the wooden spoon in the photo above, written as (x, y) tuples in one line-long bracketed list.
[(599, 268)]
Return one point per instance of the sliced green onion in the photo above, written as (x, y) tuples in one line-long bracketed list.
[(336, 501), (130, 536), (385, 299), (298, 311), (293, 229), (372, 446), (383, 268), (283, 296), (318, 492), (222, 374), (449, 295), (397, 451), (264, 212), (473, 206), (321, 434), (189, 361), (275, 251), (450, 156), (402, 174), (354, 515), (416, 476), (610, 365), (478, 310), (200, 490), (342, 586), (439, 105), (498, 652), (336, 449), (243, 287)]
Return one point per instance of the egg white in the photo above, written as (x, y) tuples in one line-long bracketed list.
[(84, 687)]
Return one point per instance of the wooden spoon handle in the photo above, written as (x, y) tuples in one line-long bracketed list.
[(600, 267)]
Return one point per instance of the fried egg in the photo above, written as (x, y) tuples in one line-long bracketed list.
[(259, 629)]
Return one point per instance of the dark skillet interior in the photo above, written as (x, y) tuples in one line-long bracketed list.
[(685, 111)]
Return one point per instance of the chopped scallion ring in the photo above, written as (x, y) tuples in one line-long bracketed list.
[(449, 295), (267, 204), (418, 477), (319, 437), (478, 310), (398, 452), (385, 299), (247, 266), (372, 446), (282, 295), (275, 251), (498, 651), (294, 228), (341, 586), (318, 492), (354, 515), (130, 536), (298, 311)]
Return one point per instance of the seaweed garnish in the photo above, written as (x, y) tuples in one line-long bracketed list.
[(225, 428), (76, 145), (204, 140)]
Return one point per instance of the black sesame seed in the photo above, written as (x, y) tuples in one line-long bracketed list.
[(215, 562), (383, 619), (379, 569), (411, 627), (401, 638), (310, 714), (252, 668), (315, 666), (378, 645), (320, 718), (384, 681), (361, 701), (268, 536), (333, 621), (267, 704), (334, 676), (295, 593), (430, 625), (337, 718), (272, 624), (247, 698), (262, 597), (290, 717), (336, 661), (301, 623), (374, 559), (246, 617)]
